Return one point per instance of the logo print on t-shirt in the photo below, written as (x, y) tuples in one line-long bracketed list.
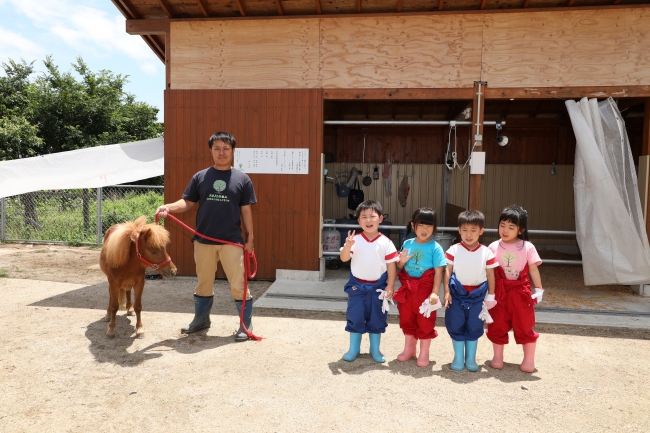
[(508, 259), (219, 186)]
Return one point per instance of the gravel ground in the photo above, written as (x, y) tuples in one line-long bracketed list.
[(60, 373)]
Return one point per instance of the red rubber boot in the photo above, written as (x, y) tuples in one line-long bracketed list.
[(528, 364), (409, 348), (497, 359)]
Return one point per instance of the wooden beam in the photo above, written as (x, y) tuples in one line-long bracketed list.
[(616, 2), (319, 9), (526, 3), (166, 8), (168, 61), (147, 27), (279, 5), (125, 7), (397, 94), (478, 111), (483, 3), (240, 6), (440, 4), (569, 3), (358, 6), (204, 10), (568, 92), (155, 47), (645, 150), (399, 5)]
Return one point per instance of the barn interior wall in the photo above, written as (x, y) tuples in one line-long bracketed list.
[(286, 216), (541, 49)]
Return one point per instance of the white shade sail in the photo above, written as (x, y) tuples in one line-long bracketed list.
[(92, 167)]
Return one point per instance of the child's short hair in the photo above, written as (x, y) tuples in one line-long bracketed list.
[(369, 204), (424, 215), (472, 217), (518, 216)]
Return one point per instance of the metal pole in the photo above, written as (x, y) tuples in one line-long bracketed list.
[(3, 220), (99, 216), (405, 122)]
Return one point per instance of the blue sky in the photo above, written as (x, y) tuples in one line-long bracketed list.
[(92, 29)]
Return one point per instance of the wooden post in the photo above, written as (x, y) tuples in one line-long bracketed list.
[(168, 59), (478, 112), (644, 163)]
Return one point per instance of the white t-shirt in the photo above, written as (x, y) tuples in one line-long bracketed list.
[(470, 265), (369, 258)]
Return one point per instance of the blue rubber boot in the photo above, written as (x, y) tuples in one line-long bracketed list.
[(470, 355), (355, 347), (202, 307), (375, 341), (459, 355), (248, 320)]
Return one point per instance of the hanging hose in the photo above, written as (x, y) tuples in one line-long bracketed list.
[(247, 273)]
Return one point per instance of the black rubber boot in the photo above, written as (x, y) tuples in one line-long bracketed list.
[(248, 320), (202, 307)]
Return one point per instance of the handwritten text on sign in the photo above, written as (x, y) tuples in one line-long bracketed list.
[(272, 161)]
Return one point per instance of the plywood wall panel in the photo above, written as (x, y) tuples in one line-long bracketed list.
[(580, 48), (258, 54), (285, 227), (404, 52)]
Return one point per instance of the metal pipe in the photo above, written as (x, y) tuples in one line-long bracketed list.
[(3, 219), (454, 229), (406, 122), (546, 261), (99, 216)]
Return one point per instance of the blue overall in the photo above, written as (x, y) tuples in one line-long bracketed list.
[(364, 306), (461, 318)]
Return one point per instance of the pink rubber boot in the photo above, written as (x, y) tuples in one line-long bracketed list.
[(497, 359), (409, 348), (423, 359), (528, 364)]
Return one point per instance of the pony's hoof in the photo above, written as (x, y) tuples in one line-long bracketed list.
[(130, 313), (110, 335)]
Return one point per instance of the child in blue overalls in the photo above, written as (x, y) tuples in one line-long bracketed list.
[(469, 283), (372, 270)]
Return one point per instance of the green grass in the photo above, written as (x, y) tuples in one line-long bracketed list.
[(3, 273), (61, 217)]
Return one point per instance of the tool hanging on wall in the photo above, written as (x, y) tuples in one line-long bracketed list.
[(404, 187), (367, 180), (386, 174), (375, 173)]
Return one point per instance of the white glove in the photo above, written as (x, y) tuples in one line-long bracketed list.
[(484, 315), (384, 305), (490, 302), (539, 292), (426, 308)]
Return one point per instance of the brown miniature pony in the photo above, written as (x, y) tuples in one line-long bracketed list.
[(129, 250)]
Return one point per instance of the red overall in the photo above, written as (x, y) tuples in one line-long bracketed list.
[(515, 309), (409, 298)]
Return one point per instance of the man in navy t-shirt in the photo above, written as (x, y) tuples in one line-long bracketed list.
[(225, 195)]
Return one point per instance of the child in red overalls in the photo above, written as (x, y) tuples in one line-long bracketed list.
[(515, 302)]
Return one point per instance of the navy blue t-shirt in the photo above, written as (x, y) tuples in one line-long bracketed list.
[(220, 194)]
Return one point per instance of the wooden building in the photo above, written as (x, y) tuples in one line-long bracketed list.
[(272, 71)]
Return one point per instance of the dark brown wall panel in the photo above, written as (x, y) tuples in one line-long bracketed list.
[(286, 217)]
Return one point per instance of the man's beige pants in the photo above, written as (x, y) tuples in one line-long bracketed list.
[(207, 258)]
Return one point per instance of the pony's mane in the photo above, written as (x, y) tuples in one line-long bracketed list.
[(118, 244)]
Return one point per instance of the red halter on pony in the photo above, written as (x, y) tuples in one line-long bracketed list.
[(247, 258)]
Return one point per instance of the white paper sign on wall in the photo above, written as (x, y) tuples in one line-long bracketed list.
[(272, 161)]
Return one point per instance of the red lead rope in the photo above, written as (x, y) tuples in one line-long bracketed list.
[(247, 274)]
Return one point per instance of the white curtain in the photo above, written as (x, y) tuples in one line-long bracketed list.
[(91, 167), (609, 221)]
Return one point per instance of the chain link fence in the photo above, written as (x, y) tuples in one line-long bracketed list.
[(75, 216)]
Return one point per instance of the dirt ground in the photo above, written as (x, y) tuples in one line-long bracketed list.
[(59, 372)]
